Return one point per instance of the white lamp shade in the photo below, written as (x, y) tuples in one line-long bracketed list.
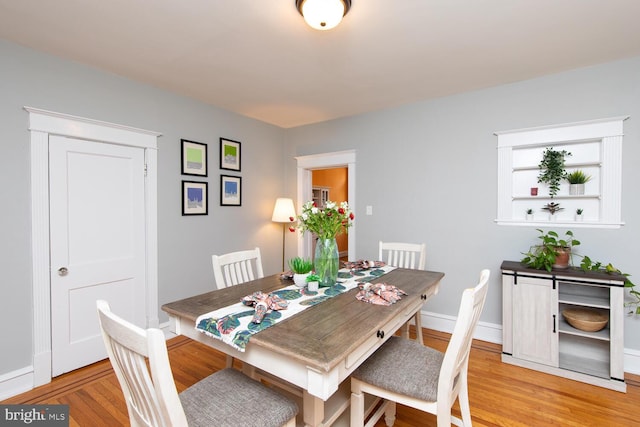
[(323, 14), (283, 210)]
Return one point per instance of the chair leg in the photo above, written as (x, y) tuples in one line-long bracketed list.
[(418, 320), (463, 399), (357, 409), (390, 413)]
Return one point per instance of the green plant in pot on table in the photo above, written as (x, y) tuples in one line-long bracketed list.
[(301, 268), (326, 223)]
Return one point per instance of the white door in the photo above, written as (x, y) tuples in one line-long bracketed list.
[(97, 224), (535, 321)]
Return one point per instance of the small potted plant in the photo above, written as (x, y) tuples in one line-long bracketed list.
[(577, 179), (301, 268), (313, 281), (579, 216), (529, 214), (552, 252)]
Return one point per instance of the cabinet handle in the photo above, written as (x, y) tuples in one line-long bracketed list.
[(554, 323), (380, 334)]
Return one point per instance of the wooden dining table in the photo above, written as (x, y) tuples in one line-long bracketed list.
[(317, 349)]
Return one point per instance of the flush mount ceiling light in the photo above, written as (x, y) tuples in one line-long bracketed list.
[(323, 14)]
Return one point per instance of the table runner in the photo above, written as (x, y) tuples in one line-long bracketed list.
[(233, 326)]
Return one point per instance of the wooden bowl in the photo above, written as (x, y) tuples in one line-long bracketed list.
[(585, 319)]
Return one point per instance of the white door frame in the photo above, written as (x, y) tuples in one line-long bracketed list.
[(326, 161), (42, 123)]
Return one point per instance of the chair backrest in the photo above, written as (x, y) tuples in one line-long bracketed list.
[(456, 358), (152, 398), (404, 255), (237, 267)]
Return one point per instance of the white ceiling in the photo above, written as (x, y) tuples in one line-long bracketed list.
[(259, 59)]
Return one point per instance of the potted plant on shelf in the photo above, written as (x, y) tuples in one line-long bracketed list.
[(577, 179), (301, 268), (552, 172), (552, 252), (579, 216), (529, 214)]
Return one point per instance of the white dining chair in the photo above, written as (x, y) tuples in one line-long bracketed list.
[(406, 372), (225, 398), (237, 267), (234, 268), (405, 255)]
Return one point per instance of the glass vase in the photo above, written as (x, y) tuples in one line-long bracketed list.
[(326, 261)]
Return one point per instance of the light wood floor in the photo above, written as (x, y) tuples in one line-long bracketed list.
[(500, 394)]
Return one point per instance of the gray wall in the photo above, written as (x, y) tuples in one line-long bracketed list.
[(28, 78), (430, 170)]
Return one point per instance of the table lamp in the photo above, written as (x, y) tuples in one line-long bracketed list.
[(283, 212)]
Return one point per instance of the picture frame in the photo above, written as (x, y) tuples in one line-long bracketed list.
[(195, 198), (193, 158), (230, 154), (230, 190)]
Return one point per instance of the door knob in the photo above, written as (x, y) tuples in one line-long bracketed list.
[(62, 271)]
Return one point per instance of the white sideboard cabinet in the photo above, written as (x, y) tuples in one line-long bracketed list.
[(535, 334)]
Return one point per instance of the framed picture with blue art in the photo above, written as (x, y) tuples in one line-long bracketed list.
[(229, 155), (194, 158), (195, 198), (230, 190)]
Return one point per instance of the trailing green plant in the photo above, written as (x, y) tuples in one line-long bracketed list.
[(589, 265), (552, 169), (300, 265), (543, 256), (578, 177)]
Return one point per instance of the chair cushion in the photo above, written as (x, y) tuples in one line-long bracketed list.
[(229, 398), (403, 366)]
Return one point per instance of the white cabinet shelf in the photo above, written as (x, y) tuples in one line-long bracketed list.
[(536, 335)]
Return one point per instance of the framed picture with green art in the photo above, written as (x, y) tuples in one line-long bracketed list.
[(229, 155), (194, 158)]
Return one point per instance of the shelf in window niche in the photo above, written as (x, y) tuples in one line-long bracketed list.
[(568, 166), (566, 197), (596, 149)]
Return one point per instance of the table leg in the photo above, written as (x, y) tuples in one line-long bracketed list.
[(313, 410)]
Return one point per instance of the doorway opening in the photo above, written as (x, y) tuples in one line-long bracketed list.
[(345, 160)]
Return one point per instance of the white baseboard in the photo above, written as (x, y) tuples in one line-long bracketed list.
[(16, 382), (632, 361), (492, 332)]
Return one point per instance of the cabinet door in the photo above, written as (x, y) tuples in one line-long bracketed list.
[(535, 312)]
